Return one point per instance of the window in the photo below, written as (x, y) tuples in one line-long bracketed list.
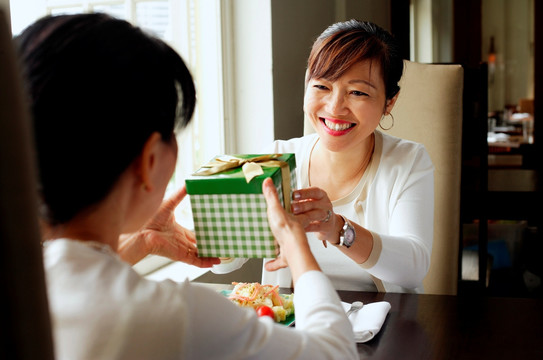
[(191, 27)]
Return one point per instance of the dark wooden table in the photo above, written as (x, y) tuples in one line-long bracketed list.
[(453, 327), (445, 327)]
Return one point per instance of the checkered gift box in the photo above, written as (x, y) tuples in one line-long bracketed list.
[(229, 213)]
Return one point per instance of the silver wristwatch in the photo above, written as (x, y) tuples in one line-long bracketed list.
[(347, 235)]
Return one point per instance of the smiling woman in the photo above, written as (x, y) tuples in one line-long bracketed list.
[(378, 188), (349, 105), (365, 198)]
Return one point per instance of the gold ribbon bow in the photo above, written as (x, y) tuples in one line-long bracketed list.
[(251, 168)]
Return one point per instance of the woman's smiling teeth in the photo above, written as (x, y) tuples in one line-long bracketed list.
[(337, 126)]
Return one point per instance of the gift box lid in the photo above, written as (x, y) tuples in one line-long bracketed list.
[(233, 181)]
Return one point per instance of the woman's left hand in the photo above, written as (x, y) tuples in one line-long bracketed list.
[(314, 210), (163, 236)]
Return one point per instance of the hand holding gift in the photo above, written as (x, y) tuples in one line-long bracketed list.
[(290, 234), (229, 209), (163, 236)]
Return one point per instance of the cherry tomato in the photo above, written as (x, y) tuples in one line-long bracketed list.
[(264, 310)]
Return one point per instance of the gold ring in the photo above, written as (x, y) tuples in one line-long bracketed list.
[(328, 216), (188, 251)]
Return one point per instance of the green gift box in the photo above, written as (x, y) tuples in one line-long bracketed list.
[(230, 212)]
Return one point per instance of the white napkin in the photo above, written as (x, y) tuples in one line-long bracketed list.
[(367, 321)]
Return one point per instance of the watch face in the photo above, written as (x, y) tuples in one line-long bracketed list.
[(349, 236)]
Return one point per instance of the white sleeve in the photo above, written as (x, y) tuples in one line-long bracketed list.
[(228, 267), (217, 328), (406, 246)]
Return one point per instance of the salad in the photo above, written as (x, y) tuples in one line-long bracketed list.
[(262, 298)]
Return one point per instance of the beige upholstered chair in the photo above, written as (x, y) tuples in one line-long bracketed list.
[(429, 111)]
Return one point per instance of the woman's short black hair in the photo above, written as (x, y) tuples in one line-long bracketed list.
[(98, 88)]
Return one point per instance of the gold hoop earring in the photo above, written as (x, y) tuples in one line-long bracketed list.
[(391, 125)]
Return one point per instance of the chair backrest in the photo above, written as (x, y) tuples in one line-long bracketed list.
[(429, 111), (25, 327)]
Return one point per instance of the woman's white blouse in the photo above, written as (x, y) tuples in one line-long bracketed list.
[(102, 309), (394, 200)]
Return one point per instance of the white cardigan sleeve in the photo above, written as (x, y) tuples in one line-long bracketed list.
[(400, 214), (102, 309), (218, 329)]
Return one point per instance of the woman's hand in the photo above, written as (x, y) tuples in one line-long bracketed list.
[(314, 210), (290, 235), (163, 236)]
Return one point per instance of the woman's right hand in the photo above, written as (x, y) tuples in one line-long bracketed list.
[(313, 208), (290, 234)]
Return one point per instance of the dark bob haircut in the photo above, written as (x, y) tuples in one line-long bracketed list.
[(98, 88)]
